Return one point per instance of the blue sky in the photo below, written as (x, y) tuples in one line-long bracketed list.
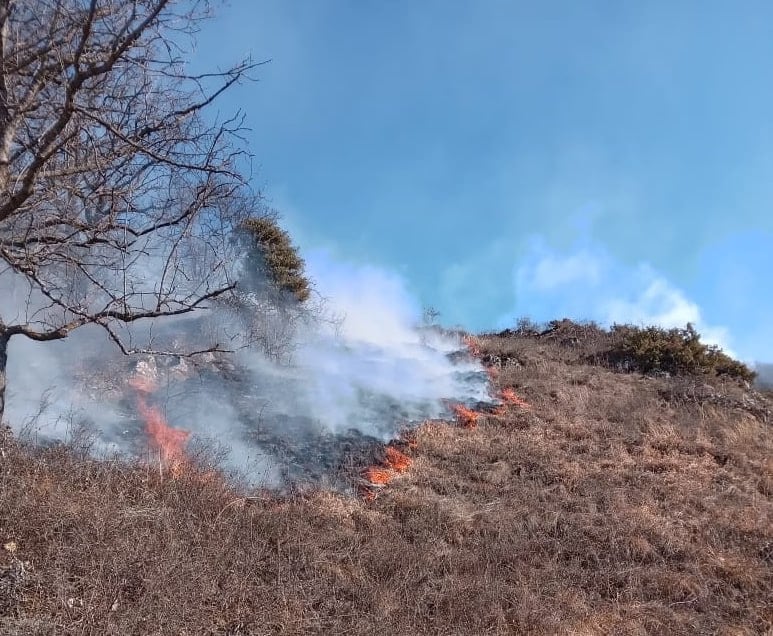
[(599, 160)]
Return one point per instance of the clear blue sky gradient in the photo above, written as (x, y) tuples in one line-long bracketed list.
[(601, 160)]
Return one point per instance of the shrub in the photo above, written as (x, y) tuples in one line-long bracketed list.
[(675, 351), (273, 253), (527, 327)]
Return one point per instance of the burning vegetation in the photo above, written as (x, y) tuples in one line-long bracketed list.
[(466, 416), (510, 398), (394, 462), (588, 499), (168, 441), (621, 482), (397, 460)]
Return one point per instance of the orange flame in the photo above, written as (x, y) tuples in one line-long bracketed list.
[(396, 460), (509, 397), (379, 476), (467, 417), (170, 441)]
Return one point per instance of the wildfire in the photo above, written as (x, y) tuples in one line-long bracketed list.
[(509, 397), (378, 476), (168, 440), (396, 460), (374, 478), (394, 463), (466, 417)]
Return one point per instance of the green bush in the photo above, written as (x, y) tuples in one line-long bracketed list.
[(675, 351), (271, 252)]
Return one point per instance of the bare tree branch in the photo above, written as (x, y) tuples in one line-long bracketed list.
[(118, 194)]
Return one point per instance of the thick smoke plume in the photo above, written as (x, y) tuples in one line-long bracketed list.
[(311, 384)]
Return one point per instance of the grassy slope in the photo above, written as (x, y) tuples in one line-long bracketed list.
[(618, 504)]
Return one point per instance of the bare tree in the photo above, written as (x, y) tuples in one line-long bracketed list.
[(113, 183)]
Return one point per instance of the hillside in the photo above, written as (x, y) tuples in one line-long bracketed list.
[(598, 500)]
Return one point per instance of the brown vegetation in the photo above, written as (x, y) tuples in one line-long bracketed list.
[(617, 503)]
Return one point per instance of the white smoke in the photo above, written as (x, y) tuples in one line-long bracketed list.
[(764, 375), (361, 367), (588, 282)]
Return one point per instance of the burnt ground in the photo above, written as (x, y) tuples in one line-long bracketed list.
[(618, 503), (297, 450)]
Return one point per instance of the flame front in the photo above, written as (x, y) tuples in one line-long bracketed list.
[(509, 397), (394, 463), (168, 440), (379, 476), (396, 460), (467, 417)]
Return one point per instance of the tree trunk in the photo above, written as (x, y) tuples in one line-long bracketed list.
[(4, 337)]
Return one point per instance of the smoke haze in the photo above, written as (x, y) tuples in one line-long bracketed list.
[(359, 366), (764, 375)]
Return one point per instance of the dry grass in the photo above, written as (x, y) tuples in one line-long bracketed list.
[(615, 504)]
